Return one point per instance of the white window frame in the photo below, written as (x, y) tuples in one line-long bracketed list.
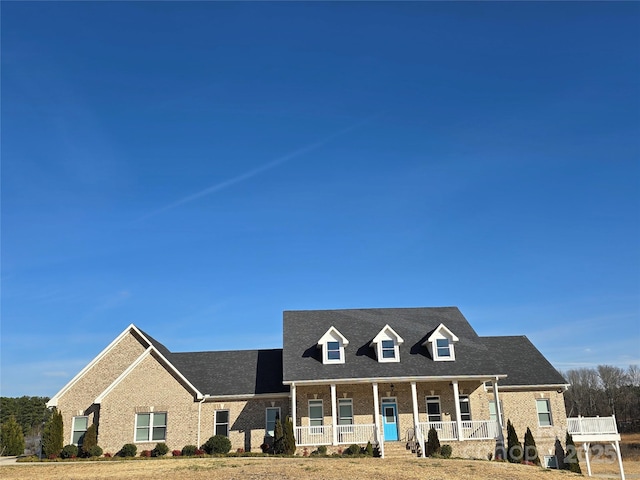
[(548, 412), (341, 419), (316, 429), (443, 351), (332, 335), (433, 400), (74, 430), (387, 334), (217, 423), (271, 433), (464, 399), (441, 333), (494, 415), (151, 427)]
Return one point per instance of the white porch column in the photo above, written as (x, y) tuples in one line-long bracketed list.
[(616, 446), (376, 409), (334, 416), (496, 399), (586, 456), (293, 405), (414, 399), (456, 399)]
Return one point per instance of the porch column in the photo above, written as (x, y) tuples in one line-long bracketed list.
[(496, 399), (456, 399), (293, 405), (586, 457), (616, 446), (376, 410), (414, 399), (334, 416)]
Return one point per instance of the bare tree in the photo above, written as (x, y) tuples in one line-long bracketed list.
[(612, 378)]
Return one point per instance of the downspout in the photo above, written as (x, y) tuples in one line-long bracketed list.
[(199, 415)]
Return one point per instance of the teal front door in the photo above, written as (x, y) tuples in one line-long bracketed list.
[(390, 421)]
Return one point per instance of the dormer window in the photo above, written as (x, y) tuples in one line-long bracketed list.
[(441, 344), (332, 344), (387, 344)]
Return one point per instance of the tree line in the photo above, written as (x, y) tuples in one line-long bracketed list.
[(603, 391), (29, 414)]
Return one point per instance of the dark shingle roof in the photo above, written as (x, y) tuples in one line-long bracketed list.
[(475, 355), (159, 346), (238, 372)]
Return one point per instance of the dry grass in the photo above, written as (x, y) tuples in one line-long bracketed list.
[(245, 468)]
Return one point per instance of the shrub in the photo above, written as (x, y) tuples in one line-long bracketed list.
[(571, 459), (89, 440), (128, 450), (189, 450), (289, 439), (514, 447), (368, 450), (94, 451), (446, 451), (176, 453), (145, 453), (217, 444), (160, 450), (69, 451), (200, 452), (530, 449), (52, 435), (11, 437), (352, 450), (108, 455), (278, 437), (433, 443), (322, 449)]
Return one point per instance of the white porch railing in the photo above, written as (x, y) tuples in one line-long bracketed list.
[(356, 433), (471, 430), (592, 425), (320, 435)]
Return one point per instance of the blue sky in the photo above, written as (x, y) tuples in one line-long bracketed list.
[(197, 168)]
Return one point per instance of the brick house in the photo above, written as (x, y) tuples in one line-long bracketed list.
[(344, 376)]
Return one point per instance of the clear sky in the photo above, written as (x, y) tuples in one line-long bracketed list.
[(197, 168)]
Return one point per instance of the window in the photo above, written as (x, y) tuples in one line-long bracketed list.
[(442, 345), (345, 411), (316, 414), (151, 427), (272, 415), (544, 412), (221, 423), (465, 408), (493, 415), (333, 350), (433, 409), (388, 349), (79, 428)]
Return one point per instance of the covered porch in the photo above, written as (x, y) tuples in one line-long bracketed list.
[(601, 430), (388, 410)]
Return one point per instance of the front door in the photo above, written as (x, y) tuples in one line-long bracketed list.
[(390, 421)]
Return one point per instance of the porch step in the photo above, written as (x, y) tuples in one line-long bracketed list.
[(397, 450)]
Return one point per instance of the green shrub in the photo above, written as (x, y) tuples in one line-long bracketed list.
[(69, 451), (571, 458), (94, 451), (433, 443), (322, 449), (52, 435), (128, 450), (352, 450), (217, 444), (288, 438), (514, 447), (11, 437), (278, 437), (89, 440), (160, 450), (368, 450), (189, 450), (446, 451), (530, 449)]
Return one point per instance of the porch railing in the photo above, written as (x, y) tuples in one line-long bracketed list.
[(356, 433), (319, 435), (471, 430), (592, 425), (346, 434)]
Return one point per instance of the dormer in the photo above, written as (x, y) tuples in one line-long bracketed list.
[(387, 344), (441, 344), (332, 344)]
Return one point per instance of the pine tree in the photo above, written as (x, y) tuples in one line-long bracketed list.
[(90, 440), (571, 459), (530, 449), (289, 437), (278, 437), (11, 438), (52, 437), (514, 447), (433, 443), (559, 454)]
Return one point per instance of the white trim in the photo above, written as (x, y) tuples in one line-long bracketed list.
[(439, 329), (441, 333), (245, 396), (435, 400), (73, 423), (321, 402), (548, 412), (266, 420), (215, 421), (130, 368), (151, 426), (387, 334), (332, 335), (550, 386), (54, 400), (324, 381)]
